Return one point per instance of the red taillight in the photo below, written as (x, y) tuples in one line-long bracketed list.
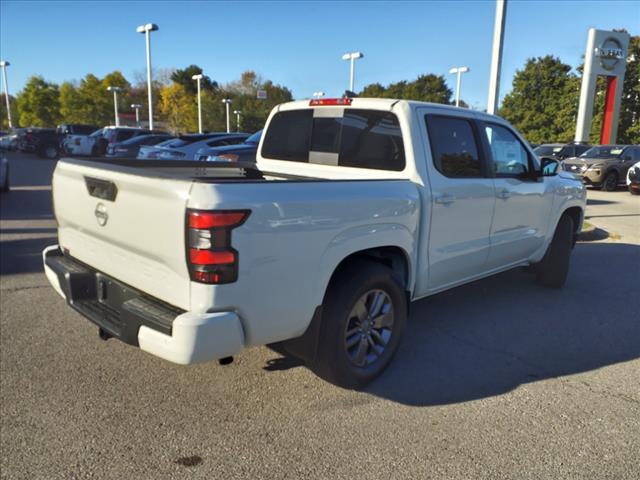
[(215, 219), (319, 102), (210, 256)]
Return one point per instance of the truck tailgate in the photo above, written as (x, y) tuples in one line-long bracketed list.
[(129, 227)]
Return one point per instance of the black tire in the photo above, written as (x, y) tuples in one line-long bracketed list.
[(610, 182), (634, 191), (49, 151), (334, 362), (5, 186), (552, 270)]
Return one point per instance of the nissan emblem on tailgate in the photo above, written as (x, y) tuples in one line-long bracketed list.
[(101, 214)]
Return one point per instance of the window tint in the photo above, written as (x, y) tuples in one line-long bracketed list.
[(580, 149), (124, 135), (636, 154), (453, 146), (288, 136), (352, 138), (509, 156), (371, 139)]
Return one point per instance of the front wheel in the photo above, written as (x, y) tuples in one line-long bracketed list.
[(610, 182), (364, 315), (553, 268)]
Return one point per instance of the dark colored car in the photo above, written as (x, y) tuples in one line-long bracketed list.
[(76, 129), (129, 148), (560, 151), (43, 141), (604, 166), (243, 152)]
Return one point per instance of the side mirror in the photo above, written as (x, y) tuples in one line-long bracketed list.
[(549, 167)]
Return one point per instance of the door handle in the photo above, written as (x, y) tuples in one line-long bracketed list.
[(445, 199), (504, 194)]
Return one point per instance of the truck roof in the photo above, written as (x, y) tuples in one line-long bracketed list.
[(387, 104)]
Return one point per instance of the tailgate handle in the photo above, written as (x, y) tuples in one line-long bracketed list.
[(103, 189)]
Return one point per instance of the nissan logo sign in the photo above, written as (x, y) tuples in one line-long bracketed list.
[(610, 53), (101, 214)]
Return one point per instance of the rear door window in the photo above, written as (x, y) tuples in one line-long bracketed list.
[(340, 137), (454, 146)]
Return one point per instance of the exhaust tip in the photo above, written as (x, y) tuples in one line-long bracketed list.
[(225, 361), (104, 335)]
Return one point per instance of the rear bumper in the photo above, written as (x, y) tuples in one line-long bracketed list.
[(140, 320)]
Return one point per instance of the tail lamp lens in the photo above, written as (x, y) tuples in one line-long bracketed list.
[(211, 258)]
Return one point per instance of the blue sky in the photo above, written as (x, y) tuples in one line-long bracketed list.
[(299, 44)]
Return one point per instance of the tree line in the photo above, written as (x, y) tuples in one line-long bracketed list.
[(542, 104), (47, 104)]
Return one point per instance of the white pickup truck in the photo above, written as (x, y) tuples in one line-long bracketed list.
[(356, 208)]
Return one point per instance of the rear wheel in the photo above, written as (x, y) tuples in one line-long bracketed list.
[(50, 152), (552, 270), (610, 182), (364, 314)]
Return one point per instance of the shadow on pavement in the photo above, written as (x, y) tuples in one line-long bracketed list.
[(24, 255), (489, 337), (26, 205), (592, 201)]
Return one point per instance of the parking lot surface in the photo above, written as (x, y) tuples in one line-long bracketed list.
[(496, 379)]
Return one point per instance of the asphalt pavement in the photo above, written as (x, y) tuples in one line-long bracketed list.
[(497, 379)]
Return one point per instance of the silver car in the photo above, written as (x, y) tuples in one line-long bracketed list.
[(186, 147)]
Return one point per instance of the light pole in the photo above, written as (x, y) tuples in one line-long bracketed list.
[(496, 56), (237, 113), (137, 108), (459, 71), (147, 29), (4, 64), (227, 102), (115, 91), (353, 56), (318, 94), (197, 78)]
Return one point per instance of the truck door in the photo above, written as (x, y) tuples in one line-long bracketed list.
[(462, 201), (523, 204)]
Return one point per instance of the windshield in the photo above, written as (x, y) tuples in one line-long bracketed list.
[(97, 133), (547, 149), (255, 138), (608, 151)]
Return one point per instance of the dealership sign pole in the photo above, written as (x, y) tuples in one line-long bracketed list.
[(4, 66), (605, 55)]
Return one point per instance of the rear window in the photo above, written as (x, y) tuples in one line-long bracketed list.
[(340, 137)]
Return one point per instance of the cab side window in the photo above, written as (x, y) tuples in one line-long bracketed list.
[(453, 146), (509, 156)]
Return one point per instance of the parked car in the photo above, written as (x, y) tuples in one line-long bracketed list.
[(9, 141), (45, 142), (76, 129), (129, 148), (4, 172), (185, 147), (96, 144), (604, 166), (633, 179), (356, 207), (242, 152), (560, 151)]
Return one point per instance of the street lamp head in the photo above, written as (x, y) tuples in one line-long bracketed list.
[(199, 76), (226, 100), (318, 94), (4, 63), (352, 55), (237, 112), (114, 89), (459, 70), (136, 105), (149, 27)]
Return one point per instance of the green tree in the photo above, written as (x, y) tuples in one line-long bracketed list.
[(4, 120), (426, 88), (70, 103), (38, 103), (184, 77), (542, 104)]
